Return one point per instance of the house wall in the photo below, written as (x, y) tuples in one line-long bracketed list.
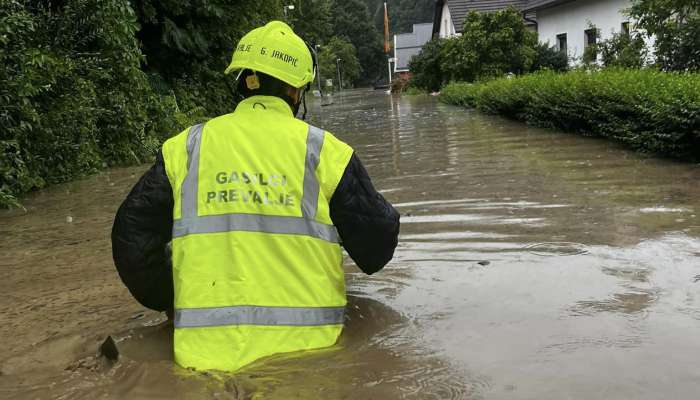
[(573, 19), (403, 57), (447, 28), (407, 45)]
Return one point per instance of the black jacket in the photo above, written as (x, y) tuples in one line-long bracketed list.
[(367, 224)]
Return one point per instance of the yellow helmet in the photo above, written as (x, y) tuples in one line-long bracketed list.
[(275, 50)]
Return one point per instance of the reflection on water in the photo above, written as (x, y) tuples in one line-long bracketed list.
[(532, 265)]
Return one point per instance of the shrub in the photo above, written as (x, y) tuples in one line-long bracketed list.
[(646, 109), (77, 94), (675, 27), (73, 96), (189, 44), (426, 66), (460, 93), (550, 58), (492, 44), (413, 91), (399, 84), (626, 50)]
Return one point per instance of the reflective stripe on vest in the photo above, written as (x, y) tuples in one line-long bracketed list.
[(306, 225), (191, 223), (256, 315)]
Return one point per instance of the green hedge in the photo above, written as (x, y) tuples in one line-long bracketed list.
[(646, 109), (73, 97)]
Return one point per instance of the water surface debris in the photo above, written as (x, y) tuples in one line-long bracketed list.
[(109, 349)]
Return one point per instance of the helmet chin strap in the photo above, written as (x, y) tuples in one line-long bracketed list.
[(303, 102)]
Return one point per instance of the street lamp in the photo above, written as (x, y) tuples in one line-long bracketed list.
[(318, 69), (340, 79), (287, 7)]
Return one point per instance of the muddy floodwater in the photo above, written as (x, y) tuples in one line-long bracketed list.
[(532, 264)]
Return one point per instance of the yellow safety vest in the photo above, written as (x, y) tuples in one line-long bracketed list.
[(257, 266)]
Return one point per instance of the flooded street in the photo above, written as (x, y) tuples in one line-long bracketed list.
[(532, 264)]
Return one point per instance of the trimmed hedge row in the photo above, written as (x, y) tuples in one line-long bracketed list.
[(646, 109)]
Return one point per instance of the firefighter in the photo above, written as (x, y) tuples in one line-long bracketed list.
[(255, 204)]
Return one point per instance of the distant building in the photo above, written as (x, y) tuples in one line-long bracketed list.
[(407, 45), (569, 24), (449, 16)]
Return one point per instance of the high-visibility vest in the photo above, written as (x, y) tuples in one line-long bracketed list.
[(257, 265)]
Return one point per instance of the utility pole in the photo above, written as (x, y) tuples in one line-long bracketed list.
[(340, 79), (387, 45)]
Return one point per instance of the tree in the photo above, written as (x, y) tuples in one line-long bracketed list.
[(311, 20), (351, 21), (549, 57), (189, 43), (402, 13), (72, 95), (350, 65), (675, 25), (426, 66), (491, 44), (623, 49)]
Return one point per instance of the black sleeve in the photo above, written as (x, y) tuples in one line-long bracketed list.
[(141, 232), (368, 225)]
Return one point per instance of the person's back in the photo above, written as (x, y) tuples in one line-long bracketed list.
[(255, 199), (257, 261)]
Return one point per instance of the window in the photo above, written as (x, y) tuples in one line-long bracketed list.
[(591, 36), (625, 28), (561, 43), (590, 53)]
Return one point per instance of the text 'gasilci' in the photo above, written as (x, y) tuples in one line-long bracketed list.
[(263, 189)]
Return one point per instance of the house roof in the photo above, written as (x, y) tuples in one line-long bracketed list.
[(460, 8), (534, 5), (421, 34)]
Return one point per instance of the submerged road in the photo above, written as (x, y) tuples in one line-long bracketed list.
[(532, 265)]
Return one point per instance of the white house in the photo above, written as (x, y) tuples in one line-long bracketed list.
[(570, 25), (567, 24), (407, 45)]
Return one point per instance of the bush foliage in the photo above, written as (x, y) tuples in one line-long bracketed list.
[(426, 66), (675, 27), (90, 83), (625, 50), (491, 45), (338, 48), (645, 109), (187, 44), (72, 97)]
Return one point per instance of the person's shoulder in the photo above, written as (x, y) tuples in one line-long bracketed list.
[(335, 149), (182, 135), (175, 139), (221, 119), (217, 123)]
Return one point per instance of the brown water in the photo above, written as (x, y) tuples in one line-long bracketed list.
[(532, 265)]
